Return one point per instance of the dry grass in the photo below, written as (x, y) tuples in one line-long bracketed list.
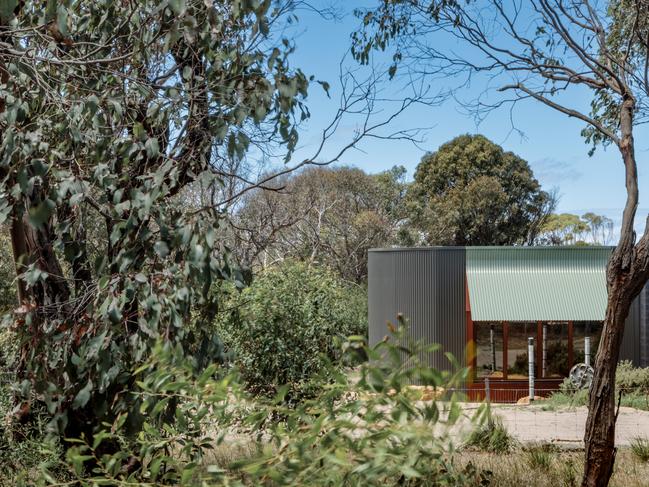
[(530, 465), (234, 448), (555, 469)]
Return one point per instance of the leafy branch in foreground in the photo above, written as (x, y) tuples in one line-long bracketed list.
[(110, 114), (369, 430)]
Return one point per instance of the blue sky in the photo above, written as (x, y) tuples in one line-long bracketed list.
[(551, 143)]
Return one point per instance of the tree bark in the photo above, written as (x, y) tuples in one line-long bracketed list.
[(600, 425), (19, 248), (627, 273)]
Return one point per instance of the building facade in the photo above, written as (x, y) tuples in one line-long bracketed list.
[(482, 304)]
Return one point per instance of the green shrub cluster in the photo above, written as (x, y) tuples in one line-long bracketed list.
[(491, 436), (287, 326), (540, 456), (362, 432), (630, 378), (632, 382), (25, 449), (640, 449)]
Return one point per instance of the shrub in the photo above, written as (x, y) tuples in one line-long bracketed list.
[(640, 448), (24, 448), (632, 381), (492, 436), (388, 442), (567, 472), (287, 326), (539, 456), (628, 377)]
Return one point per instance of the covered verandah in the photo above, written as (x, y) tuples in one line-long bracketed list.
[(556, 298)]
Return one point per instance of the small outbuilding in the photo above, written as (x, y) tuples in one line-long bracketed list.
[(482, 304)]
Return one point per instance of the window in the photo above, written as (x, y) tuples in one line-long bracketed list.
[(554, 354), (517, 356), (555, 361), (489, 350), (582, 330)]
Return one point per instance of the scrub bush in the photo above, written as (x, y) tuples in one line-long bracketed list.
[(364, 432), (540, 456), (640, 449), (632, 382), (287, 326), (630, 378), (492, 437)]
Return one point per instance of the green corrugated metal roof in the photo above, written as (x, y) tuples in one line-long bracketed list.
[(537, 283)]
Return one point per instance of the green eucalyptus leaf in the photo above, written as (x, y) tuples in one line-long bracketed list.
[(7, 8), (83, 396), (178, 6), (40, 214)]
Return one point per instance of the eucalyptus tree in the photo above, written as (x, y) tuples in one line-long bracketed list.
[(569, 229), (110, 113), (324, 215), (471, 192), (549, 52)]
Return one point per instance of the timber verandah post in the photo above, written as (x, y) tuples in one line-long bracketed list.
[(539, 349)]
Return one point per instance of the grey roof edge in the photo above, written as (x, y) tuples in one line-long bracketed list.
[(492, 247), (417, 249)]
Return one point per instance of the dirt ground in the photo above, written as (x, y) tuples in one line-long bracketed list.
[(566, 426)]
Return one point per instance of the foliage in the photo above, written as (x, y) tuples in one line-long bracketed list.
[(629, 378), (569, 229), (7, 274), (566, 468), (360, 432), (640, 448), (286, 327), (491, 436), (540, 456), (329, 216), (110, 112), (626, 37), (24, 448), (472, 192), (631, 382)]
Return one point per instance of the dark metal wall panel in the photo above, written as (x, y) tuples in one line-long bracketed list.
[(381, 292), (426, 286), (450, 305), (643, 303), (631, 341)]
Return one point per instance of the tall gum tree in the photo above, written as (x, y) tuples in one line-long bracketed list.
[(545, 51), (110, 113)]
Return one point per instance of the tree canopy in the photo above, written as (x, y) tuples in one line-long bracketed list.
[(471, 192), (110, 112), (328, 216), (569, 229)]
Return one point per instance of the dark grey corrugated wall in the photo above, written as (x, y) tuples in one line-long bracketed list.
[(631, 348), (427, 286), (643, 323)]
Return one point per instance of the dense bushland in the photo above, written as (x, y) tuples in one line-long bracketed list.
[(287, 326), (355, 432)]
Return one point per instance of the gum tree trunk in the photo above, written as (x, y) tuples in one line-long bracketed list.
[(600, 426), (627, 273)]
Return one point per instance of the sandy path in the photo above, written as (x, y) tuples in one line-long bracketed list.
[(532, 424)]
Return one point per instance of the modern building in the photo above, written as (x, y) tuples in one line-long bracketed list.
[(483, 303)]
